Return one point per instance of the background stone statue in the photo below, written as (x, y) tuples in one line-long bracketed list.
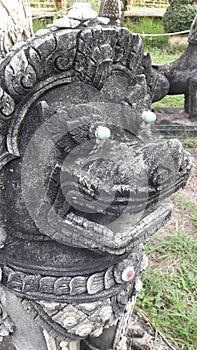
[(179, 77), (113, 9)]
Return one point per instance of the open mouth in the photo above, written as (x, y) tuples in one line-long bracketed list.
[(113, 233), (126, 231), (121, 199), (115, 220)]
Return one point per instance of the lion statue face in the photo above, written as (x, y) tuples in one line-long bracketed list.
[(83, 181)]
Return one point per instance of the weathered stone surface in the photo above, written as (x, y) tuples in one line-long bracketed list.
[(7, 344), (78, 206)]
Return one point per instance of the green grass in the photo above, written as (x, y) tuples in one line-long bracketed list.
[(170, 101), (187, 208), (170, 285), (41, 23), (188, 143), (148, 26)]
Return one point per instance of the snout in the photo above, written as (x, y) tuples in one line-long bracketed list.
[(140, 177)]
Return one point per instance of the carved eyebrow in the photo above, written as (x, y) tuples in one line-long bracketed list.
[(56, 124)]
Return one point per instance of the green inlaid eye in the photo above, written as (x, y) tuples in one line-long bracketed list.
[(149, 117), (103, 133)]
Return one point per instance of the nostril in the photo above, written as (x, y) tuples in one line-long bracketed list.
[(177, 153), (160, 176), (186, 163)]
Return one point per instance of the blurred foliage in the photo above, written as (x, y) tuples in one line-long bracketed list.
[(179, 15)]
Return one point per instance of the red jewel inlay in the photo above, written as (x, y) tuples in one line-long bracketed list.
[(129, 275)]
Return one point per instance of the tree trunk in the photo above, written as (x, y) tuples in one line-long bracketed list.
[(15, 24)]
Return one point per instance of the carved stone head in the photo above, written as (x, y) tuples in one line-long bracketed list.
[(83, 184)]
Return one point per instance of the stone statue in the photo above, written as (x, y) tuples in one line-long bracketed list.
[(82, 185), (113, 9), (180, 76)]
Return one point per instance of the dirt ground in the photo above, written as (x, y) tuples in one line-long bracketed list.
[(189, 193)]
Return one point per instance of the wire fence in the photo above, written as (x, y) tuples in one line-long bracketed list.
[(148, 3), (67, 4), (61, 13), (163, 34)]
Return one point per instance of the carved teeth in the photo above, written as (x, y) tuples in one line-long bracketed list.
[(61, 286), (46, 284), (95, 283), (109, 278), (78, 285), (102, 230)]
